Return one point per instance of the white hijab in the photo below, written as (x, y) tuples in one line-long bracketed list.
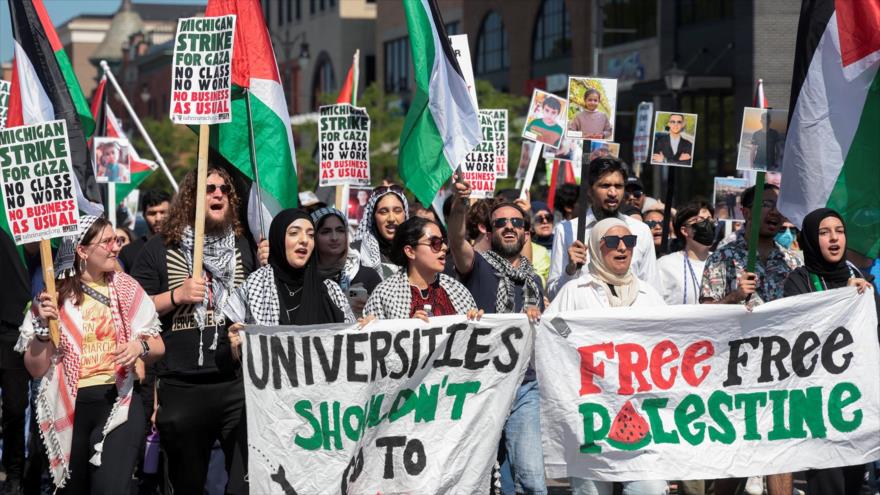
[(626, 287)]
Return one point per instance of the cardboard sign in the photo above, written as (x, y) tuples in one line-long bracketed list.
[(478, 168), (762, 139), (112, 160), (647, 393), (344, 145), (546, 120), (38, 182), (499, 125), (201, 78), (591, 108), (4, 102), (402, 406), (462, 51)]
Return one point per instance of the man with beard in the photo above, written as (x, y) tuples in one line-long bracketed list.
[(606, 178), (154, 207), (503, 281), (200, 392)]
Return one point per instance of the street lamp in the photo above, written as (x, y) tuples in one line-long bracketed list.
[(674, 79), (145, 94), (303, 60)]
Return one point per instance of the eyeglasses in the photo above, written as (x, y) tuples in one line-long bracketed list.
[(377, 191), (500, 223), (436, 243), (653, 223), (612, 241), (636, 193), (108, 243), (543, 219), (224, 188), (679, 122)]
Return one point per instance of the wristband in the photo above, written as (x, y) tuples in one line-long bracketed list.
[(172, 299), (146, 349)]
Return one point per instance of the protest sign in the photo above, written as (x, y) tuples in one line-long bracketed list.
[(727, 197), (112, 160), (499, 125), (4, 102), (400, 407), (462, 51), (38, 187), (602, 149), (545, 122), (591, 108), (642, 136), (651, 393), (201, 78), (344, 145), (674, 137), (478, 168), (762, 139)]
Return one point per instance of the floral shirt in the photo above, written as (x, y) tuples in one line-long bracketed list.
[(729, 262)]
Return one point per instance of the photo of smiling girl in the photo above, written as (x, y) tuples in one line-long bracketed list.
[(591, 108)]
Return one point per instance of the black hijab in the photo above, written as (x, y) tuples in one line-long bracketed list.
[(834, 274), (301, 292)]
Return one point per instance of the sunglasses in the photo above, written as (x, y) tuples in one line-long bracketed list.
[(612, 241), (653, 223), (679, 122), (387, 189), (500, 223), (636, 193), (108, 243), (225, 188), (543, 219), (435, 243)]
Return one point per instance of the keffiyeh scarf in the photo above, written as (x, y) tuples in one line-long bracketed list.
[(371, 255), (219, 260), (391, 299), (507, 277), (134, 317)]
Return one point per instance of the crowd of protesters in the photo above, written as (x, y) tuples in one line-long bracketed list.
[(145, 345)]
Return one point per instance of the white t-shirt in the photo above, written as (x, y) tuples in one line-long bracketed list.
[(680, 278), (673, 142), (586, 292)]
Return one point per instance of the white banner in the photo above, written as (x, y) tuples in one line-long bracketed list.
[(710, 391), (461, 48), (400, 406), (201, 77), (344, 145)]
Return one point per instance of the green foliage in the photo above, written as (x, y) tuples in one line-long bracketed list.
[(178, 146)]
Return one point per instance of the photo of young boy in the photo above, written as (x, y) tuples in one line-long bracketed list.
[(591, 107), (546, 118)]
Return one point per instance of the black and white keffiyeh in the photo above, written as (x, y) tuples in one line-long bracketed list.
[(391, 299), (508, 275), (219, 260), (371, 255), (66, 253), (256, 301)]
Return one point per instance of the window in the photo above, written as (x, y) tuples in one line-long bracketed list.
[(452, 28), (289, 10), (492, 45), (298, 9), (280, 13), (552, 31), (325, 81), (397, 65), (312, 7), (715, 149), (694, 11), (638, 16)]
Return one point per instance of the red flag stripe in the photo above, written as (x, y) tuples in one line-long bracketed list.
[(858, 26), (254, 59), (47, 25)]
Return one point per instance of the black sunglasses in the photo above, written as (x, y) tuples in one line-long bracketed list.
[(387, 189), (653, 223), (435, 243), (225, 188), (543, 219), (636, 193), (612, 241), (500, 223)]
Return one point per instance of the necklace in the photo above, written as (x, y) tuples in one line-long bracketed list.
[(291, 292)]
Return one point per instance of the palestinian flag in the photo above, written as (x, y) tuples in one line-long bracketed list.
[(348, 94), (833, 142), (254, 68), (442, 125), (44, 88), (108, 125)]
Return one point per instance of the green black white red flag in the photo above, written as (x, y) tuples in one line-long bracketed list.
[(832, 147), (442, 125)]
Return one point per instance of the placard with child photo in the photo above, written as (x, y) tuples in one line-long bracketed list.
[(545, 122), (591, 108)]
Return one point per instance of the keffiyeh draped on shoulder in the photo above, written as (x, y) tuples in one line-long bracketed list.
[(391, 299), (371, 254)]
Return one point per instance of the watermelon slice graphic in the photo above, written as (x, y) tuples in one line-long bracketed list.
[(629, 431)]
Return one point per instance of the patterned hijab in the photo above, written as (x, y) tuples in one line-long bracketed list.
[(626, 286), (344, 272), (371, 241)]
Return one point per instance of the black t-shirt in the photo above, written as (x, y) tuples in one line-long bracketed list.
[(161, 268), (128, 255)]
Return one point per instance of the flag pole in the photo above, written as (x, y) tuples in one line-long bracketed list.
[(111, 203), (49, 279), (137, 123), (201, 192), (253, 149), (344, 190)]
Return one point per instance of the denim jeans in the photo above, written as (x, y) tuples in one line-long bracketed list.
[(522, 432), (581, 486)]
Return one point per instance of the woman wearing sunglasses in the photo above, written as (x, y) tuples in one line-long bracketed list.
[(106, 322), (385, 211), (609, 283), (420, 289)]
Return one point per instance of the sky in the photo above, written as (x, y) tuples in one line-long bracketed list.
[(61, 11)]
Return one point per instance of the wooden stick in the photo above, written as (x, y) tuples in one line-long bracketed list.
[(201, 192), (530, 172), (49, 279)]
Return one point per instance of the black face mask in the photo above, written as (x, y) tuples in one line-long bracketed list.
[(704, 232)]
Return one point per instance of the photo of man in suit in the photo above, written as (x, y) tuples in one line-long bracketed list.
[(671, 147)]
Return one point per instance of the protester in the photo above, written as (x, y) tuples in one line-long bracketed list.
[(108, 324), (417, 210), (634, 193), (386, 210), (124, 236), (14, 377), (654, 220), (420, 289), (337, 262), (199, 401), (606, 178), (542, 224), (501, 280), (478, 225), (682, 271), (565, 202), (787, 235), (726, 281), (609, 283), (154, 208), (289, 290), (632, 212)]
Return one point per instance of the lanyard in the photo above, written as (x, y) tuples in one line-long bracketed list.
[(687, 266)]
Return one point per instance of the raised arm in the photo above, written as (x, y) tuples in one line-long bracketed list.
[(462, 251)]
